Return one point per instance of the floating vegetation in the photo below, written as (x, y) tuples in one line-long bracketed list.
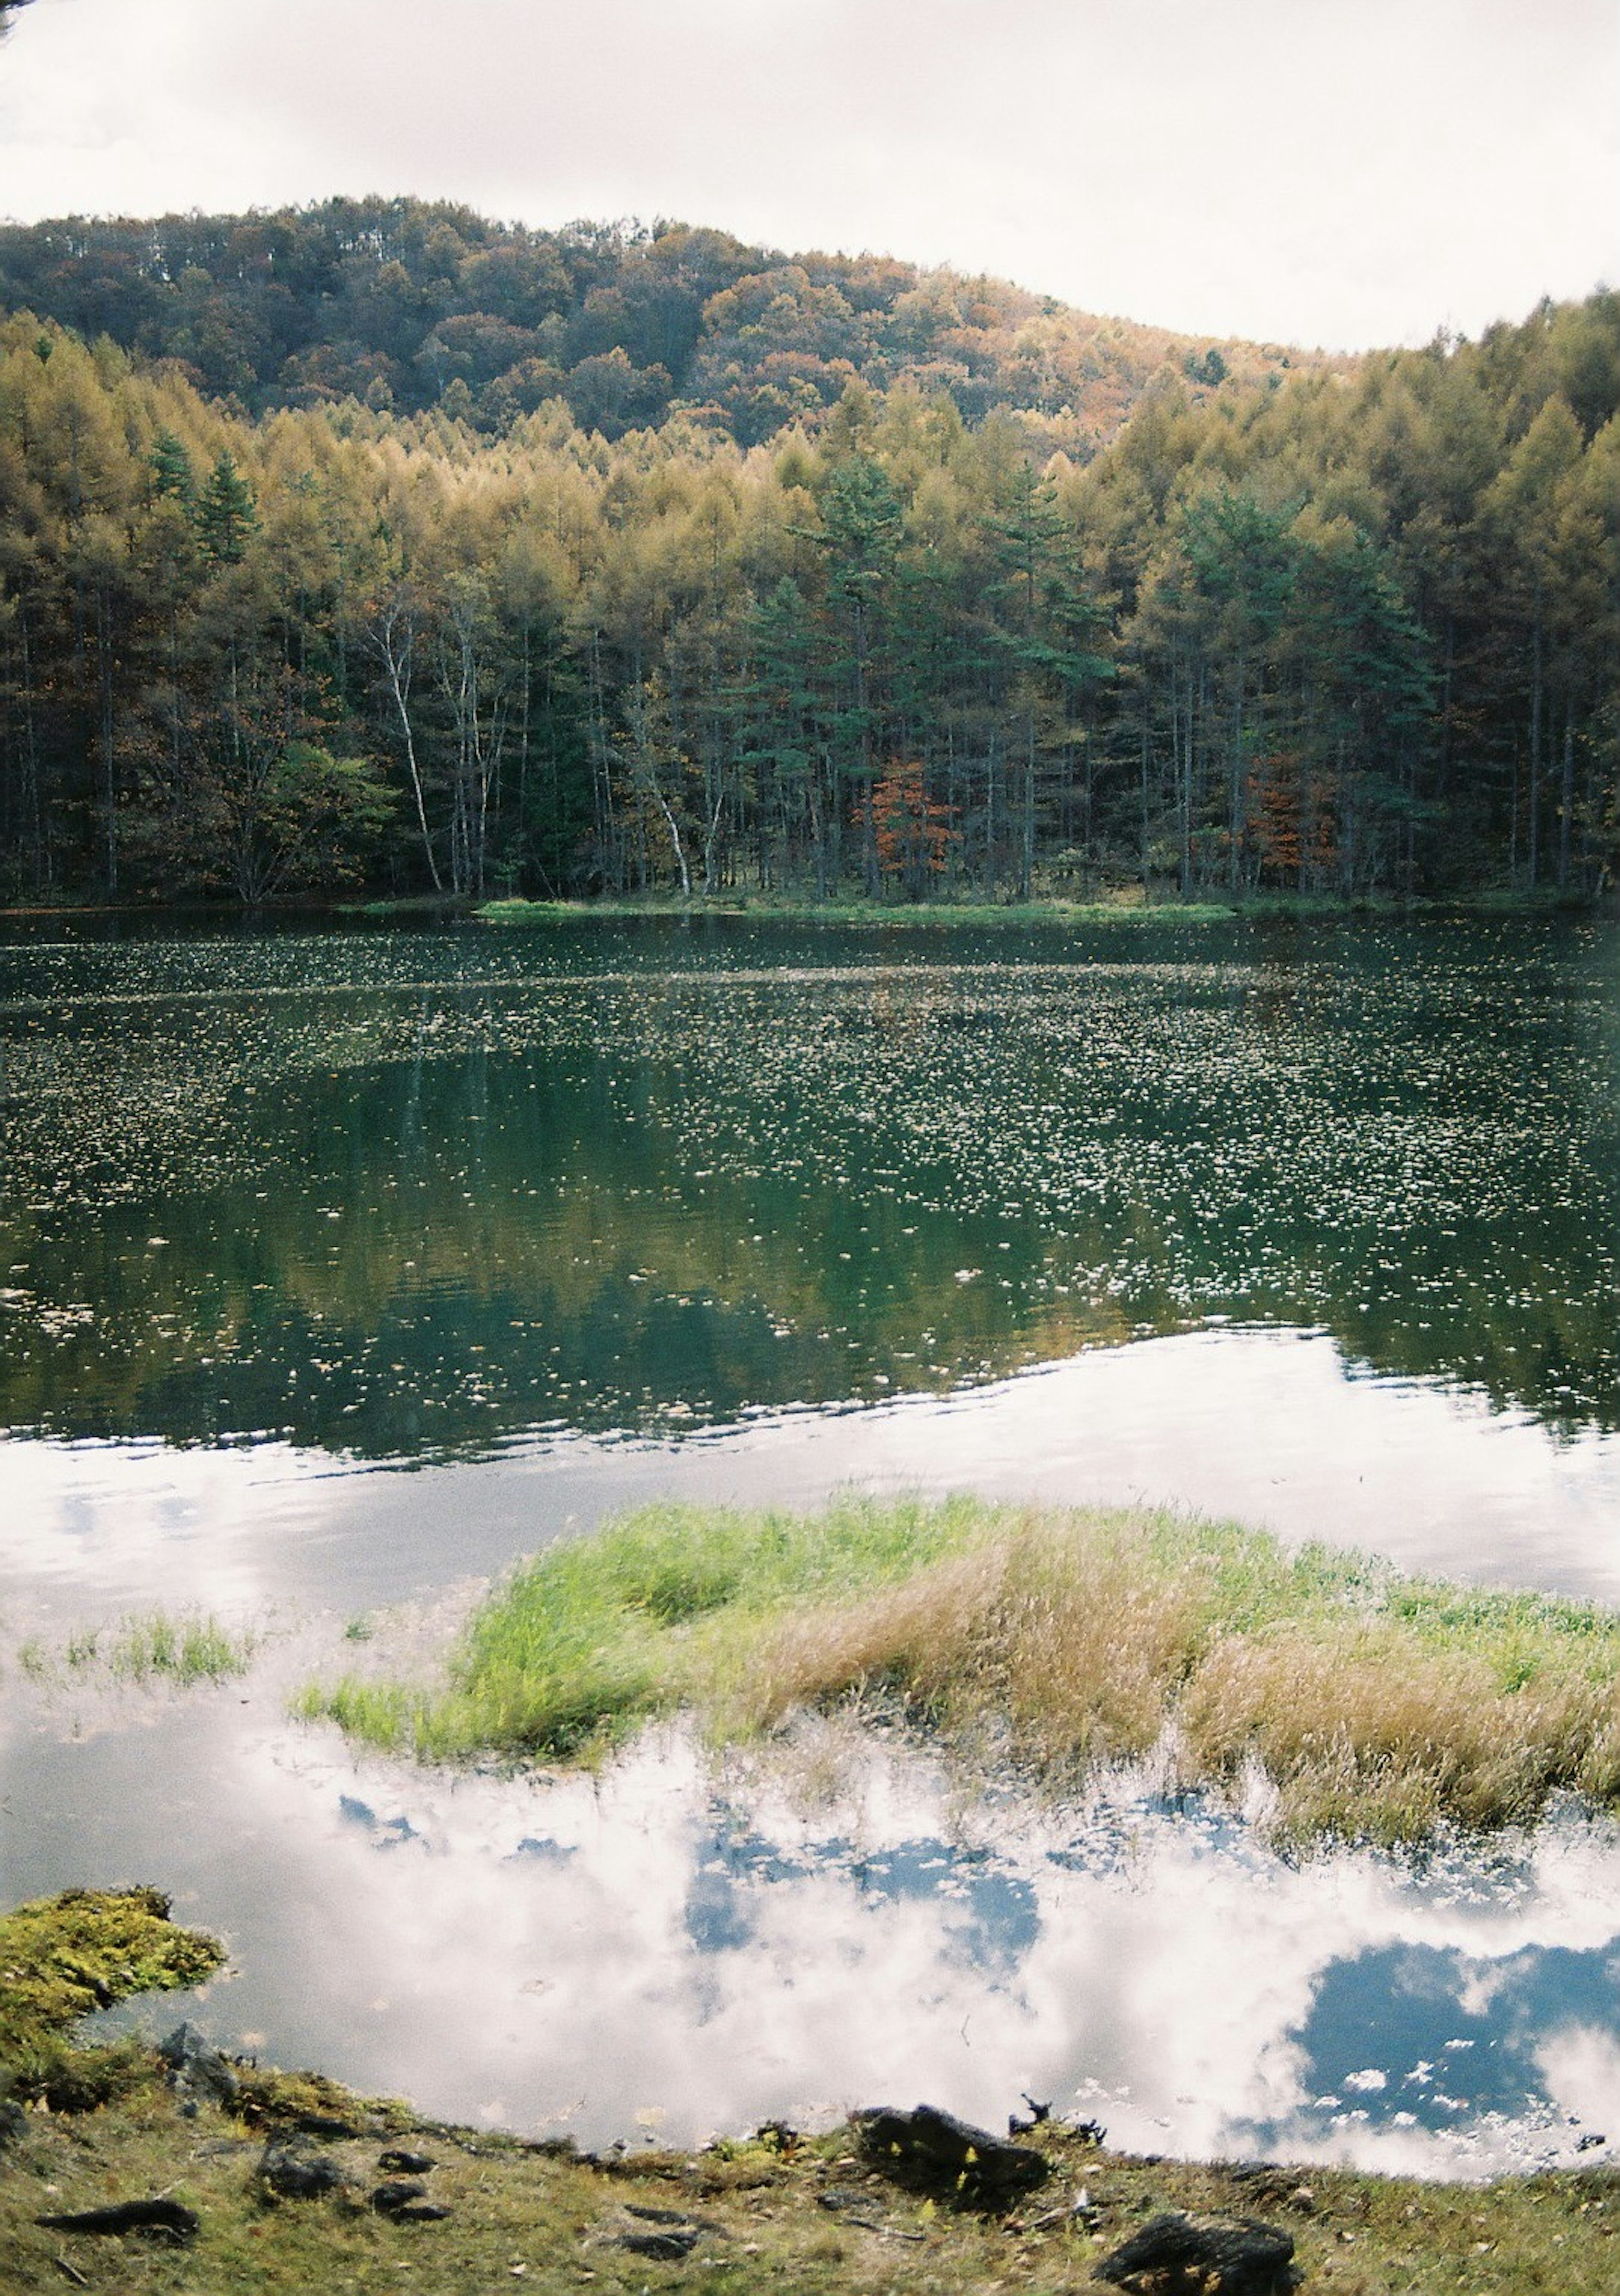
[(1376, 1706), (909, 916), (147, 1648)]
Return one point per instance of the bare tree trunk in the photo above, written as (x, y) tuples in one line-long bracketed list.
[(1235, 811), (1180, 757), (869, 772), (1536, 746), (32, 801), (393, 640), (673, 827), (1026, 855), (103, 647)]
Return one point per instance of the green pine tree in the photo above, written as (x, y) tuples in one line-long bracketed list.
[(227, 514), (172, 475)]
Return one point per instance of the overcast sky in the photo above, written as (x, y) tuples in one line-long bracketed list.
[(1344, 172)]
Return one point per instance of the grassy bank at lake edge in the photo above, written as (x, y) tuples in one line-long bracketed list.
[(543, 2216), (1161, 908), (1378, 1706), (780, 909), (1251, 908)]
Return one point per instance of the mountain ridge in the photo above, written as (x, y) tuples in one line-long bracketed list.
[(408, 304)]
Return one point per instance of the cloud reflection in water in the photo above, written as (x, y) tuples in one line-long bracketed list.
[(698, 1952)]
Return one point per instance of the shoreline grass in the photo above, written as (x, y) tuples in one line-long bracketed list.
[(1269, 906), (1125, 906), (804, 2213), (1374, 1705), (776, 908), (772, 908)]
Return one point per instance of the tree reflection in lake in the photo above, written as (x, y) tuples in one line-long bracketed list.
[(397, 1196)]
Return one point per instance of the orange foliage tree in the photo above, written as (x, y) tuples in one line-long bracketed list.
[(1291, 819), (911, 832)]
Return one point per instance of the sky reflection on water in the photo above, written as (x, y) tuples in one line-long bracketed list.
[(339, 1271), (1271, 1427), (671, 1952)]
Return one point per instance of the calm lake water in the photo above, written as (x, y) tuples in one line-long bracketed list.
[(337, 1268)]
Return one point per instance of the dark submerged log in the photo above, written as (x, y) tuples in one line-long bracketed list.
[(169, 2219)]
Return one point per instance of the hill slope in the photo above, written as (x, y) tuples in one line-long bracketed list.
[(1347, 631), (408, 304)]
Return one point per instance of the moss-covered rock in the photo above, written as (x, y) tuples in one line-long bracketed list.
[(62, 1957), (268, 2098)]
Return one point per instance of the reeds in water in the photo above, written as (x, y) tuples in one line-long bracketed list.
[(1376, 1706)]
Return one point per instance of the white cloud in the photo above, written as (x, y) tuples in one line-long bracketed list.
[(1581, 2067)]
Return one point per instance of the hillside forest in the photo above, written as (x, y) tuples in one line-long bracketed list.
[(375, 546)]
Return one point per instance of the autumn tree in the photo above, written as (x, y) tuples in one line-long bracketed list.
[(911, 832)]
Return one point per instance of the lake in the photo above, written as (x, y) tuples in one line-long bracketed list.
[(339, 1268)]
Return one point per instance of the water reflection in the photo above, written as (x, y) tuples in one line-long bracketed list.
[(409, 1196), (1315, 1229), (1269, 1426), (679, 1953)]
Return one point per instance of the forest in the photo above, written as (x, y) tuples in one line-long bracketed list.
[(374, 546), (406, 304)]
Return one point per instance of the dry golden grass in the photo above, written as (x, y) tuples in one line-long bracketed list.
[(1376, 1705), (1386, 1735), (1049, 1629)]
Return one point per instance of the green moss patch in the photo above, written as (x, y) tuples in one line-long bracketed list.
[(62, 1957), (268, 2098)]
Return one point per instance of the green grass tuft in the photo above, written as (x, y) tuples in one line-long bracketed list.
[(181, 1648), (1377, 1705), (191, 1648)]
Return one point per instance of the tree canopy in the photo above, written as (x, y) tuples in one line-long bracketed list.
[(406, 304), (1348, 628)]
